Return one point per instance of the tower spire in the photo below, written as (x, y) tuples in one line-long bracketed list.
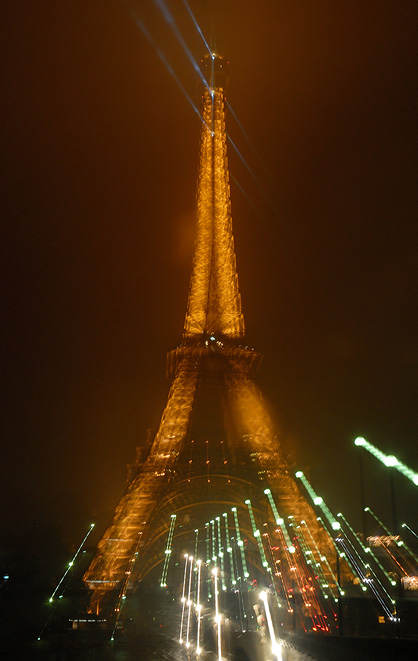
[(214, 303)]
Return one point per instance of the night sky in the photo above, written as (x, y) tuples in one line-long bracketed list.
[(99, 164)]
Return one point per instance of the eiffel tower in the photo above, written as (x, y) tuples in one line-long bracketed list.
[(213, 393)]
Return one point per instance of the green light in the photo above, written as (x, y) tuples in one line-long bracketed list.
[(318, 500), (170, 535), (267, 491), (388, 460), (256, 533), (70, 564), (240, 543), (279, 520)]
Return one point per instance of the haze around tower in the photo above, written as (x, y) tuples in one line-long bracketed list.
[(99, 170)]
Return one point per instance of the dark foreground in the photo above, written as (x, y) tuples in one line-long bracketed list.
[(155, 646), (149, 631)]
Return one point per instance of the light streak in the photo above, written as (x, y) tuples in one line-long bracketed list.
[(183, 598), (167, 65), (399, 542), (396, 561), (273, 565), (167, 557), (249, 200), (323, 559), (240, 126), (319, 501), (197, 26), (266, 173), (340, 553), (279, 577), (245, 574), (387, 459), (196, 541), (257, 536), (306, 589), (353, 562), (71, 563), (240, 543), (367, 549), (189, 601), (220, 551), (207, 528), (405, 525), (207, 543), (212, 532), (275, 574), (276, 647), (230, 549), (250, 171), (368, 582), (376, 518), (170, 20), (198, 608), (122, 593), (280, 521), (306, 550), (218, 617)]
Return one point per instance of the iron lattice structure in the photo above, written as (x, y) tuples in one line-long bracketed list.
[(212, 356)]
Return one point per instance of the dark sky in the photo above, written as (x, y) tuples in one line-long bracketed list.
[(99, 163)]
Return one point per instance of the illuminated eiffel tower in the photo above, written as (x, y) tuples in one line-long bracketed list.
[(212, 370)]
